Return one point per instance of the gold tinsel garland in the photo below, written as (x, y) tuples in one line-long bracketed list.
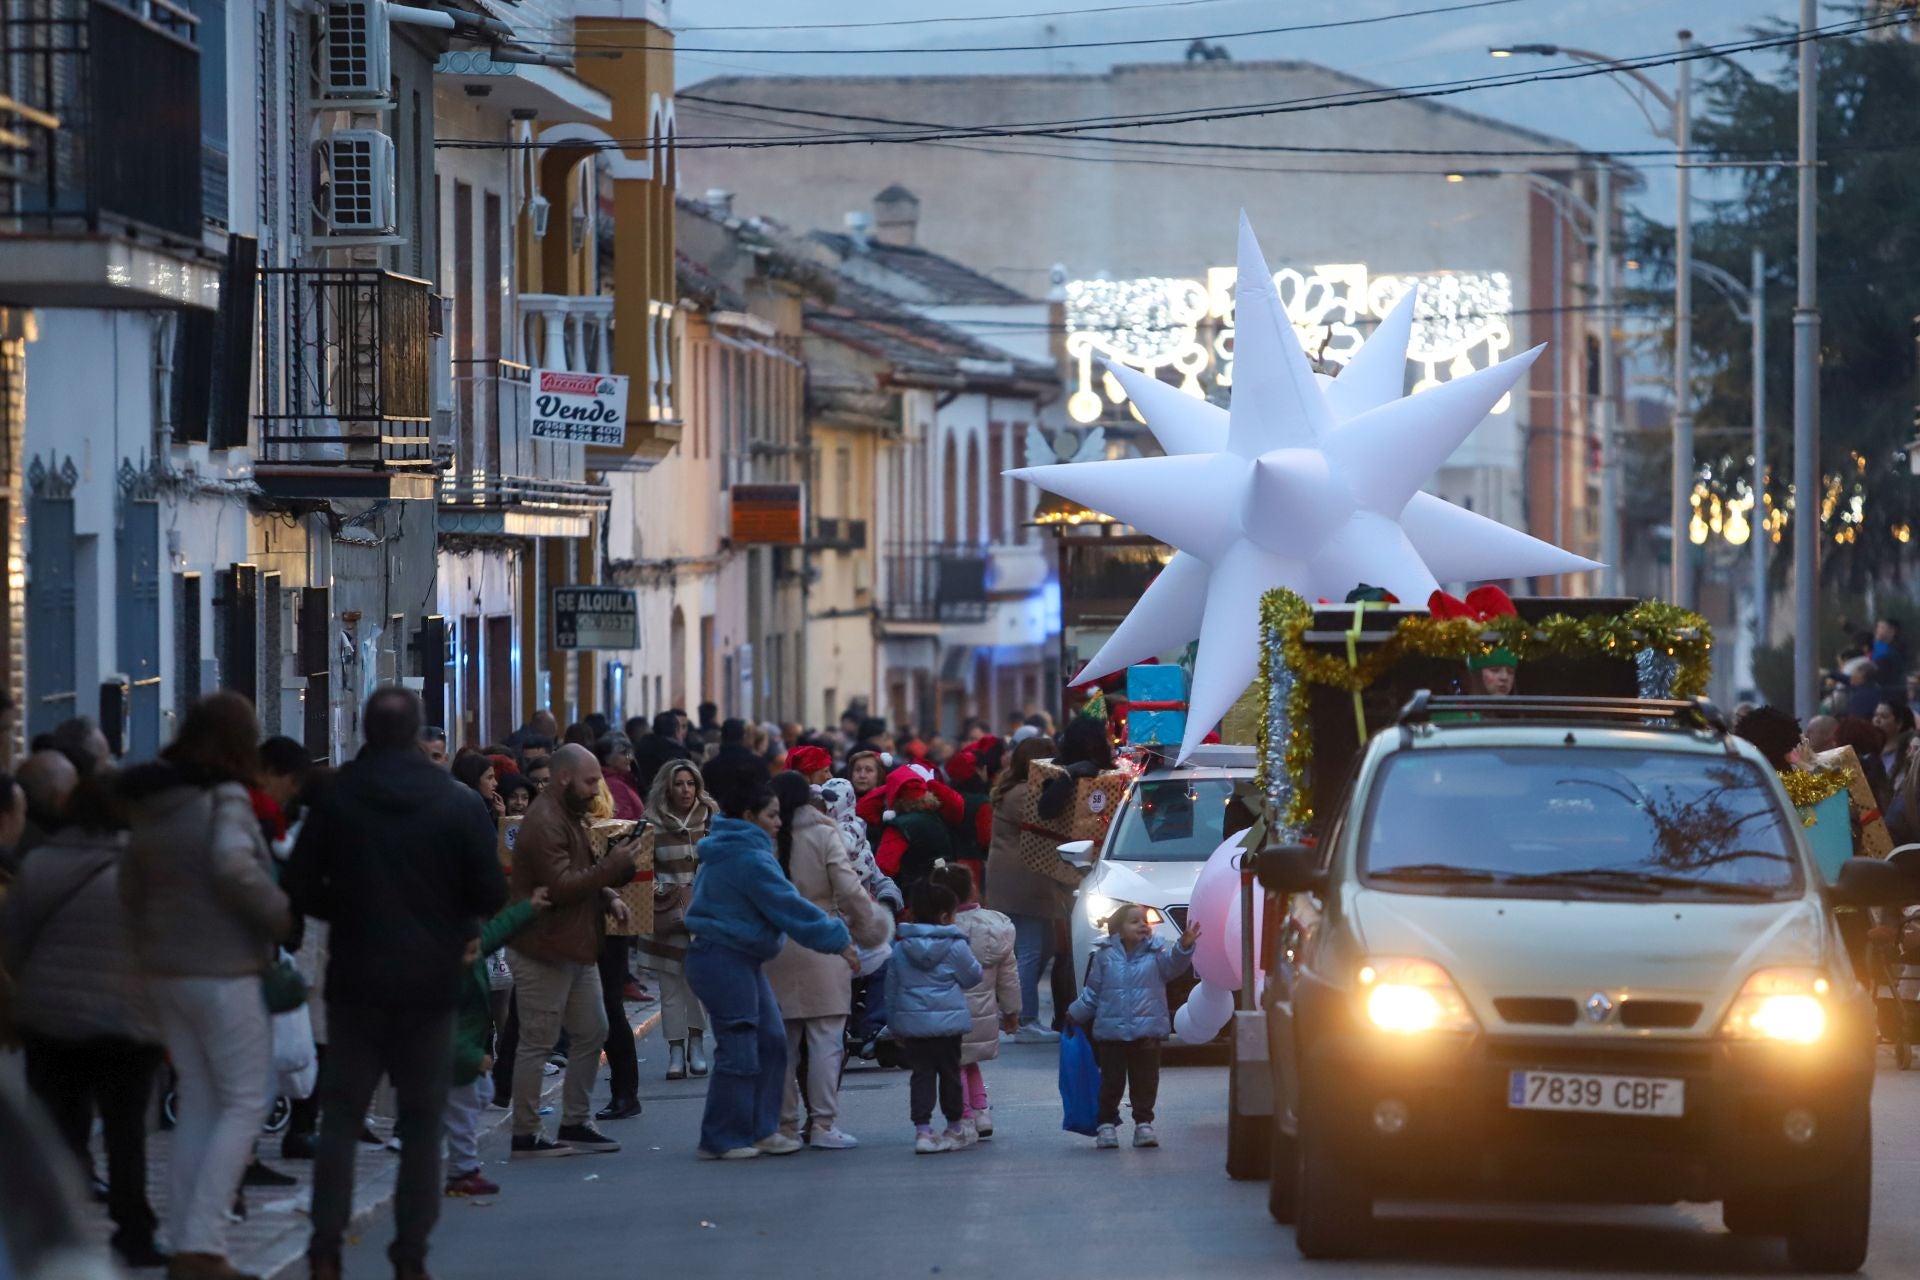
[(1285, 617), (1807, 788)]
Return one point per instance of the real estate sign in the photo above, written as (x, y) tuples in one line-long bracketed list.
[(580, 408), (595, 618)]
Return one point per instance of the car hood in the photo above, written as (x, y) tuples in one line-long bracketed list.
[(1657, 949), (1151, 884)]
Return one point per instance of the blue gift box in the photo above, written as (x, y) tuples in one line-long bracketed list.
[(1163, 724), (1830, 834), (1156, 682), (1156, 728)]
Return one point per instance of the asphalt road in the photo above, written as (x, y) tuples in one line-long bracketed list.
[(1037, 1202)]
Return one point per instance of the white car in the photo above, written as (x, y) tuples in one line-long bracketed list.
[(1169, 822)]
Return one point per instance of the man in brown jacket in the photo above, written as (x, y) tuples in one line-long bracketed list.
[(556, 981)]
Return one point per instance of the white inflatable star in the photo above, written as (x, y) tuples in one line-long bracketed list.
[(1306, 482)]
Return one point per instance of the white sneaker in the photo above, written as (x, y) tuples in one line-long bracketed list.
[(925, 1144), (736, 1153), (965, 1131), (1144, 1136), (1034, 1033), (949, 1140), (833, 1139), (778, 1144), (983, 1122), (1107, 1139)]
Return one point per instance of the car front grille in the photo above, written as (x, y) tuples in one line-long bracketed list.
[(1539, 1011), (1670, 1014)]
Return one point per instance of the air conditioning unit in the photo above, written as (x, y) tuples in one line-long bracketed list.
[(354, 57), (357, 171)]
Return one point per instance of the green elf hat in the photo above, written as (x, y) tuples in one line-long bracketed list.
[(1502, 657)]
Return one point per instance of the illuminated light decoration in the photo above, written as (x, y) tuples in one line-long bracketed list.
[(1306, 482), (1156, 324)]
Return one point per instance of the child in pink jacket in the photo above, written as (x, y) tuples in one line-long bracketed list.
[(994, 1001)]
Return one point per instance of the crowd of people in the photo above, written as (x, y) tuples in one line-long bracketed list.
[(457, 924)]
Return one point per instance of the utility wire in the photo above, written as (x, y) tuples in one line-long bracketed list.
[(1351, 98), (983, 18), (1043, 48)]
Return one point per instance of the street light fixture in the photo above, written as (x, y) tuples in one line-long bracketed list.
[(1676, 128)]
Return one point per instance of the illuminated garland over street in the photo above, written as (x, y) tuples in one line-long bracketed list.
[(1285, 617)]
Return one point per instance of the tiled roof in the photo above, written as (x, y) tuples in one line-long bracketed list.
[(870, 321), (947, 281)]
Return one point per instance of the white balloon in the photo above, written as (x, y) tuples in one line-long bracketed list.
[(1207, 1010), (1306, 483)]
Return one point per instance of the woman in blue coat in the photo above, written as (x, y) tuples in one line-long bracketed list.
[(743, 907), (1125, 1000)]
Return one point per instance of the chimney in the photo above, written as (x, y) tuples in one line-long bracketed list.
[(860, 230), (720, 201), (896, 215)]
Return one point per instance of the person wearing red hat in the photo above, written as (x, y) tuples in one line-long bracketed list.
[(972, 770), (811, 762)]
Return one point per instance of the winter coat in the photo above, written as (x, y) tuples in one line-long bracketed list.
[(1125, 997), (806, 983), (1011, 887), (399, 860), (927, 982), (743, 900), (555, 850), (734, 772), (990, 938), (473, 1017), (674, 840), (626, 801), (65, 936), (196, 878), (837, 794), (651, 753)]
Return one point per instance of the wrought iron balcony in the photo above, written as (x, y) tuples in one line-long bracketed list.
[(936, 582), (357, 395), (505, 481), (124, 87)]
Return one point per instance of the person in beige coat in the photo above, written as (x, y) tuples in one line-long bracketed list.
[(815, 991), (994, 1001)]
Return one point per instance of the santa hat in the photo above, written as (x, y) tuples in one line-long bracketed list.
[(964, 764), (1481, 604), (808, 760)]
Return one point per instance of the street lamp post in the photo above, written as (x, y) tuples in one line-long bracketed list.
[(1609, 441), (1806, 389), (1749, 304)]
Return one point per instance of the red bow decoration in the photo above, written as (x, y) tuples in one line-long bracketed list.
[(1481, 604)]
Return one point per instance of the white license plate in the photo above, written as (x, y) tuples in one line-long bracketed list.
[(1596, 1095)]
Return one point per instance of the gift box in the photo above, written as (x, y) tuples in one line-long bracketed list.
[(1829, 831), (1156, 704), (1871, 837), (509, 832), (1095, 800), (637, 893)]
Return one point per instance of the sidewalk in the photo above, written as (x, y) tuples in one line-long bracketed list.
[(272, 1241)]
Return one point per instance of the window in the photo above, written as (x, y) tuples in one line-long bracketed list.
[(950, 493), (843, 480), (997, 483), (972, 498)]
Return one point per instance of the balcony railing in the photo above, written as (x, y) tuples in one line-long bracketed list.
[(499, 465), (568, 331), (936, 582), (358, 389), (833, 534), (125, 88)]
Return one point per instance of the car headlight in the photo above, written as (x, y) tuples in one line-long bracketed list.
[(1100, 908), (1787, 1006), (1404, 996)]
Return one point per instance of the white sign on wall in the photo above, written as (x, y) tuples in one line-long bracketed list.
[(580, 408)]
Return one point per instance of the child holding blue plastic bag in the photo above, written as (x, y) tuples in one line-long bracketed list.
[(1125, 1003)]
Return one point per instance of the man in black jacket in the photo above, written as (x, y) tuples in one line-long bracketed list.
[(399, 859), (653, 750), (736, 769)]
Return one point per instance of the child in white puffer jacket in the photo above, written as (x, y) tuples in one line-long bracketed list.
[(994, 1001)]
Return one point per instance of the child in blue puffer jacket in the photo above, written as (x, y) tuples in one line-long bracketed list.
[(1125, 1000), (927, 1011)]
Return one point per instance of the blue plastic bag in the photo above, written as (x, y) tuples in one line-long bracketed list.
[(1079, 1082)]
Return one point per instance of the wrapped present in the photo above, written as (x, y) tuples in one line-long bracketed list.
[(1095, 800), (1871, 837), (1156, 704), (637, 893), (509, 832), (1829, 831)]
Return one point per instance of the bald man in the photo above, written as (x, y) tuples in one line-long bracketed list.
[(1822, 733), (556, 976), (47, 779)]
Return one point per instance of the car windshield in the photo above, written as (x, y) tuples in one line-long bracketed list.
[(1172, 820), (1569, 820)]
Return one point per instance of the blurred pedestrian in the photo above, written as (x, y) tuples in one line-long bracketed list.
[(473, 1046), (1820, 732), (433, 744), (927, 1010), (679, 813), (46, 779), (665, 741), (399, 860), (516, 794), (555, 961), (13, 821), (1894, 720), (993, 1001), (615, 753), (476, 772), (1035, 902), (742, 905), (206, 916), (82, 1004), (736, 770)]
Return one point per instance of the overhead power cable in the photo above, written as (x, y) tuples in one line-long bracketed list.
[(980, 18)]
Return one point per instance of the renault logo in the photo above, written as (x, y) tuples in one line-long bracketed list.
[(1599, 1007)]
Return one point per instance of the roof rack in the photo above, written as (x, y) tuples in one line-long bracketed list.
[(1690, 713)]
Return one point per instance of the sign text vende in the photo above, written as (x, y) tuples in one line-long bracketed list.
[(580, 408)]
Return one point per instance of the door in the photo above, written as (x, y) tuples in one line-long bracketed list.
[(52, 639), (469, 643), (137, 626), (500, 721)]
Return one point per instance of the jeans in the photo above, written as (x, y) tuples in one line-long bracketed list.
[(71, 1078), (826, 1047), (414, 1049), (1132, 1066), (975, 1086), (219, 1040), (935, 1061), (1034, 944), (466, 1105), (748, 1083), (552, 998), (623, 1059)]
